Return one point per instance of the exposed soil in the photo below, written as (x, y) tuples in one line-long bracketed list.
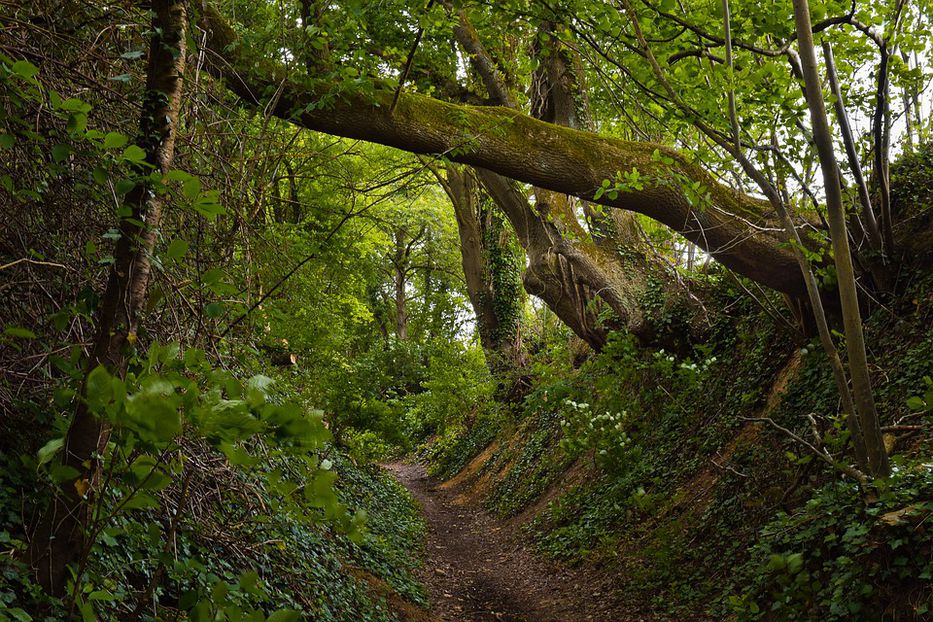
[(477, 568)]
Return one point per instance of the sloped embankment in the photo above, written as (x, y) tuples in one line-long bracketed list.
[(650, 470)]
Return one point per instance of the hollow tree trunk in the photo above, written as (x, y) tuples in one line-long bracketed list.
[(59, 539)]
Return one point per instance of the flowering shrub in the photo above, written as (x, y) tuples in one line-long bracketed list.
[(604, 434)]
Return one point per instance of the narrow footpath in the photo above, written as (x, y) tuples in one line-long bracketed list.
[(477, 569)]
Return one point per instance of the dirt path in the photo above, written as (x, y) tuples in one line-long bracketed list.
[(477, 569)]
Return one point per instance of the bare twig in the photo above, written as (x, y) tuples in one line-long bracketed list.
[(823, 455), (408, 63), (34, 262)]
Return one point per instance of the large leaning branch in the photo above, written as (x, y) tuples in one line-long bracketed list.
[(735, 228)]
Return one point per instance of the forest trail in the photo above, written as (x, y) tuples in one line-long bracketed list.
[(477, 568)]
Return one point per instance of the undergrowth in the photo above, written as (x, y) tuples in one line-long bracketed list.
[(695, 506), (265, 538)]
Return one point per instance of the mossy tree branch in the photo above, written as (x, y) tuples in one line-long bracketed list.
[(738, 230)]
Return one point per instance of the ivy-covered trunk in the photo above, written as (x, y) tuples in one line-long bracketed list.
[(60, 538), (492, 271)]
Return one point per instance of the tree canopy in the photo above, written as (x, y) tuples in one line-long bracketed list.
[(652, 277)]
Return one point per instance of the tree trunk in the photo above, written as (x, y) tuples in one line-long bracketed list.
[(880, 135), (613, 258), (400, 283), (851, 316), (576, 277), (401, 308), (59, 539), (491, 271), (869, 222), (557, 273)]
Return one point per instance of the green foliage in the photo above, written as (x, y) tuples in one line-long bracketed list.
[(395, 528), (534, 466), (451, 451), (367, 446), (623, 183), (457, 386), (687, 491), (837, 558), (263, 472), (912, 201), (147, 410), (603, 434), (922, 403), (342, 261), (168, 401), (106, 161), (911, 180)]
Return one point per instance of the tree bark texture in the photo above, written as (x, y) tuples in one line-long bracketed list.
[(848, 292), (59, 538), (491, 270), (575, 274)]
